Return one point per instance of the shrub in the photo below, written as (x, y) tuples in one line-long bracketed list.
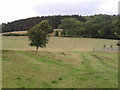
[(54, 81), (60, 78)]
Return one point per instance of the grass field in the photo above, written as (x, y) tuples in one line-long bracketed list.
[(64, 63), (58, 44)]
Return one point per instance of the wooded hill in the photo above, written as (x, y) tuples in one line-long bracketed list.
[(106, 23)]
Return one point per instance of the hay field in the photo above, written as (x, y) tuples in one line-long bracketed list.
[(57, 44)]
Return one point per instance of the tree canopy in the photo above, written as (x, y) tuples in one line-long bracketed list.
[(71, 26), (38, 34), (100, 25)]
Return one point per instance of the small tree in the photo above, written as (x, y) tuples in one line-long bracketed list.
[(38, 34)]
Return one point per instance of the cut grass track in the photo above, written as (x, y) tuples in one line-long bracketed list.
[(43, 69)]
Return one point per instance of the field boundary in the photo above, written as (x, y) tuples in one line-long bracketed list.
[(107, 49)]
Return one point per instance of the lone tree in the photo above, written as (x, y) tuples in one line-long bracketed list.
[(38, 35)]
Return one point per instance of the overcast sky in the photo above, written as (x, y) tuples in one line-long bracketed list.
[(12, 10)]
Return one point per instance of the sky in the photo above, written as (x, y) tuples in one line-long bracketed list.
[(12, 10)]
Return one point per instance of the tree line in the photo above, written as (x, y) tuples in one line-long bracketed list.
[(94, 26), (27, 24)]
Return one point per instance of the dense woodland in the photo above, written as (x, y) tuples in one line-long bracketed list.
[(94, 26)]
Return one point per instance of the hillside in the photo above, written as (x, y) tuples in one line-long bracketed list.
[(64, 63), (26, 24), (31, 69), (99, 26)]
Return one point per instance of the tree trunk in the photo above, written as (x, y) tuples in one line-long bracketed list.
[(37, 48)]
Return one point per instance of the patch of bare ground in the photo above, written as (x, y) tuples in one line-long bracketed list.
[(16, 32)]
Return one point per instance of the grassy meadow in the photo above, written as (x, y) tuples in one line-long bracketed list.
[(57, 44), (64, 63)]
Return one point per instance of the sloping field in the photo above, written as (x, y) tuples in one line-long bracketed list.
[(64, 63), (31, 69), (58, 44)]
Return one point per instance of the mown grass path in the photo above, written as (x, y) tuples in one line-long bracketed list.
[(30, 69)]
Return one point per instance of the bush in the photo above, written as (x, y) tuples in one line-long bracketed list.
[(60, 78), (54, 81)]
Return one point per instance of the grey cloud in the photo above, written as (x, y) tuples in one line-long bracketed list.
[(82, 8), (119, 7)]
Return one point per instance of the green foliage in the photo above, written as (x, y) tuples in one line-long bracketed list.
[(102, 25), (44, 25), (91, 30), (38, 34), (60, 78), (107, 30), (26, 24), (117, 28), (54, 81), (14, 34), (71, 26)]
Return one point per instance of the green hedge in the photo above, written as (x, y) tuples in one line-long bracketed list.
[(14, 34)]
